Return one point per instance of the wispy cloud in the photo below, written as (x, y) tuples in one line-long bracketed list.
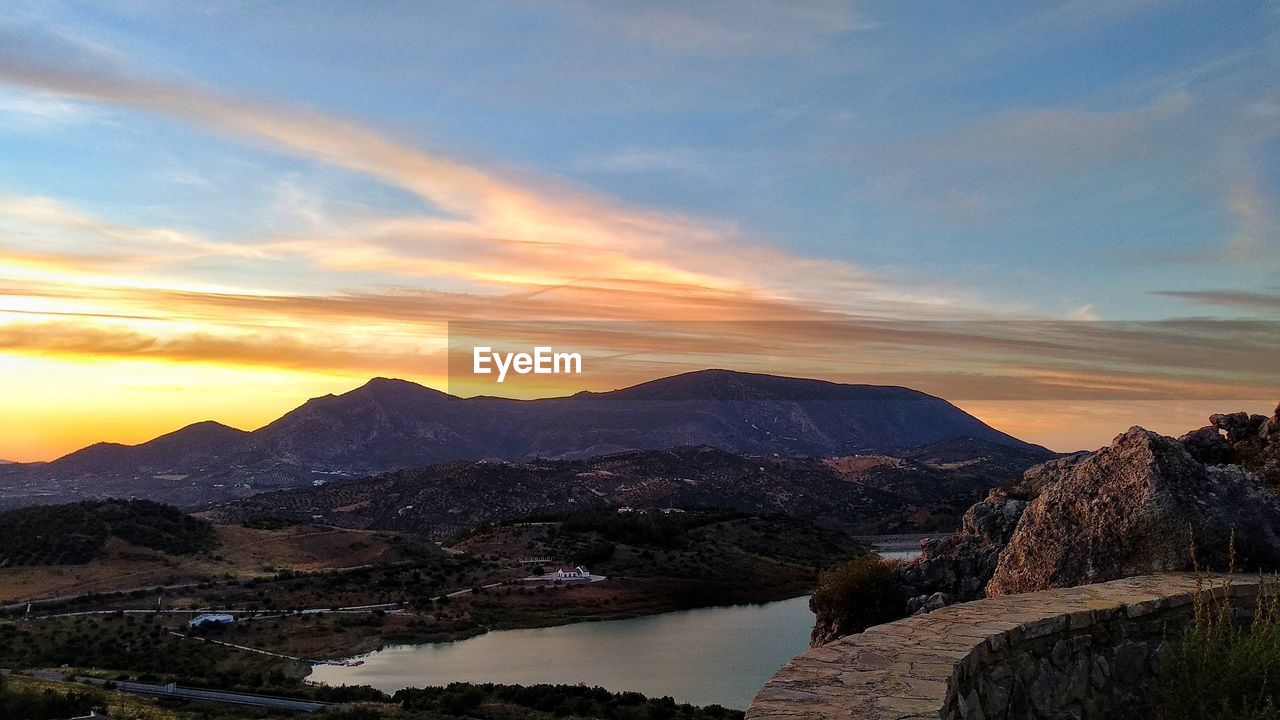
[(1227, 298), (496, 232)]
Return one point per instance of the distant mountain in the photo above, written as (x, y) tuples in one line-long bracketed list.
[(393, 424), (191, 448), (445, 499)]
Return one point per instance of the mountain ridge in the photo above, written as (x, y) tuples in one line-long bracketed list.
[(388, 424)]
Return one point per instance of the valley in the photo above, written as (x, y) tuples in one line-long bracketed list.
[(411, 592), (350, 532)]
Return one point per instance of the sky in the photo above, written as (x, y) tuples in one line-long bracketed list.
[(219, 210)]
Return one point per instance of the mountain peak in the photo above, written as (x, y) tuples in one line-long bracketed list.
[(385, 386)]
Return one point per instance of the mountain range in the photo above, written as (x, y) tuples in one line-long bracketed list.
[(389, 424)]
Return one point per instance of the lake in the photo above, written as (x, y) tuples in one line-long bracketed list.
[(709, 655), (718, 655)]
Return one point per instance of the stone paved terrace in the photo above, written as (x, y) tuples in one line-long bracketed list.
[(1083, 652)]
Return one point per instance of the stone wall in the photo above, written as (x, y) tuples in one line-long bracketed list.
[(1083, 653)]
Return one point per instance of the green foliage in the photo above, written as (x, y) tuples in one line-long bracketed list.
[(140, 647), (862, 593), (1015, 490), (24, 704), (76, 533), (560, 701), (1220, 668)]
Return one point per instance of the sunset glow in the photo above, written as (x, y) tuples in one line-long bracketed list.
[(182, 239)]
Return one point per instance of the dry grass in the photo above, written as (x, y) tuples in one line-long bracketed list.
[(243, 553), (1221, 668)]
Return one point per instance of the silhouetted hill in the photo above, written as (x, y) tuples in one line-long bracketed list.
[(391, 424), (190, 448)]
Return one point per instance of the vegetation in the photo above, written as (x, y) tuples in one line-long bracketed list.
[(24, 698), (856, 596), (140, 645), (1220, 668), (940, 516), (1016, 490), (651, 528), (21, 703), (547, 701), (656, 562), (77, 532)]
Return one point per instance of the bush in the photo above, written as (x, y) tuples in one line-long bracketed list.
[(853, 597), (519, 701), (1222, 669), (31, 704)]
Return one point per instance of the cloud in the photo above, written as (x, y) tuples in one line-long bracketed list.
[(492, 231), (1227, 298), (41, 111), (1254, 234)]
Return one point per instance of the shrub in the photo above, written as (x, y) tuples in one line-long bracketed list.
[(32, 704), (855, 596), (1222, 669)]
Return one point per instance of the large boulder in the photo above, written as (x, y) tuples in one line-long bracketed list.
[(1133, 508), (1208, 445)]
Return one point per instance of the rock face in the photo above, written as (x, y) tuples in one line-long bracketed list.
[(1132, 508), (1127, 509), (957, 568), (1254, 441)]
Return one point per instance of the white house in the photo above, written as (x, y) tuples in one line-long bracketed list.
[(215, 618), (578, 573)]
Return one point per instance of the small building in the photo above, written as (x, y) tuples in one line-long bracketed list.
[(572, 575), (211, 619), (578, 573)]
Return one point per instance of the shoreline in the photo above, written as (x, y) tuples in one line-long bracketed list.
[(363, 649)]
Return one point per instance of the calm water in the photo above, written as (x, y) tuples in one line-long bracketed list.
[(710, 655), (898, 547)]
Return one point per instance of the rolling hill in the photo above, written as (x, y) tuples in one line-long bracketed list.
[(441, 500)]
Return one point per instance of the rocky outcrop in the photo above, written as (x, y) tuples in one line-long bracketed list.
[(1128, 509), (1133, 508), (957, 568)]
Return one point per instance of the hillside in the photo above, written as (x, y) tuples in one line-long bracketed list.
[(389, 425), (240, 553), (441, 500), (78, 533)]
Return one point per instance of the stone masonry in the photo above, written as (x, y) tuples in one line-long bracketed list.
[(1083, 653)]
